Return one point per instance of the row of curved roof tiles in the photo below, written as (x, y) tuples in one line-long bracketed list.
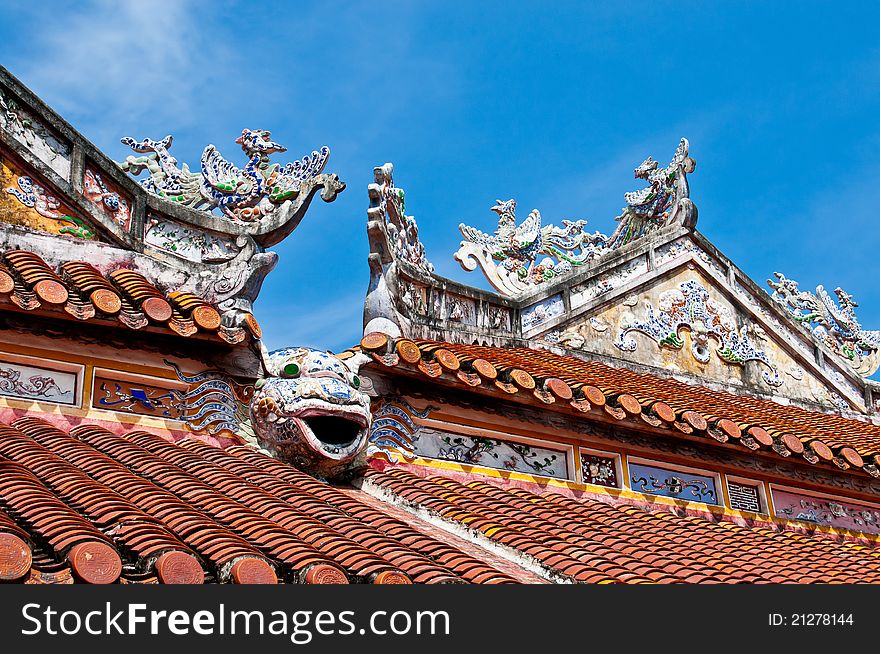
[(546, 378), (592, 541), (122, 296), (91, 506)]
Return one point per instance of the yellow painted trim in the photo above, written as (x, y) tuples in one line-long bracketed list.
[(90, 414), (88, 385), (770, 506), (623, 493), (624, 466)]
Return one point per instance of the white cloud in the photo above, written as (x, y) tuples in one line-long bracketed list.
[(123, 63)]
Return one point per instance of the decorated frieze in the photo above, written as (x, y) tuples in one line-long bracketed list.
[(689, 322), (540, 312), (414, 297), (498, 318), (685, 246), (833, 323), (683, 485), (599, 469), (461, 310), (706, 454), (30, 132), (606, 282), (491, 453), (141, 397), (27, 202), (824, 511), (34, 383), (107, 198), (711, 324), (245, 194), (188, 242)]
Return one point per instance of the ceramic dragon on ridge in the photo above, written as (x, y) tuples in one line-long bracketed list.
[(310, 410), (244, 194), (833, 323), (517, 248), (664, 201)]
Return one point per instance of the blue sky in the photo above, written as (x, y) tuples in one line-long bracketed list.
[(552, 104)]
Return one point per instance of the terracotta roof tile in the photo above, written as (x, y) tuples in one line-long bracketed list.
[(145, 508)]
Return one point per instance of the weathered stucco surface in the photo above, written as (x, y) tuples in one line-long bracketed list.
[(604, 330)]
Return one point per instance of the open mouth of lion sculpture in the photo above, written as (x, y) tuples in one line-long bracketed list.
[(337, 431)]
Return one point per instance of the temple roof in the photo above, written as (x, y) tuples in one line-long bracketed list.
[(199, 233), (654, 296), (594, 390), (90, 506)]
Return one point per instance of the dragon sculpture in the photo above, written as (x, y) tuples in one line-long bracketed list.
[(244, 194), (832, 323), (666, 199), (388, 203), (509, 257), (311, 412), (517, 248)]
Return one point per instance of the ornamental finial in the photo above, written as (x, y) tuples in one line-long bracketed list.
[(509, 257), (832, 323), (242, 194)]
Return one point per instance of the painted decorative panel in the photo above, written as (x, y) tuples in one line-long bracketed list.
[(499, 318), (491, 453), (214, 404), (187, 242), (684, 246), (744, 497), (107, 197), (136, 397), (414, 297), (28, 131), (539, 313), (393, 429), (599, 470), (689, 486), (824, 511), (689, 323), (25, 201), (35, 383)]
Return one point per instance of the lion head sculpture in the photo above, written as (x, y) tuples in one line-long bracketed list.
[(311, 412)]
